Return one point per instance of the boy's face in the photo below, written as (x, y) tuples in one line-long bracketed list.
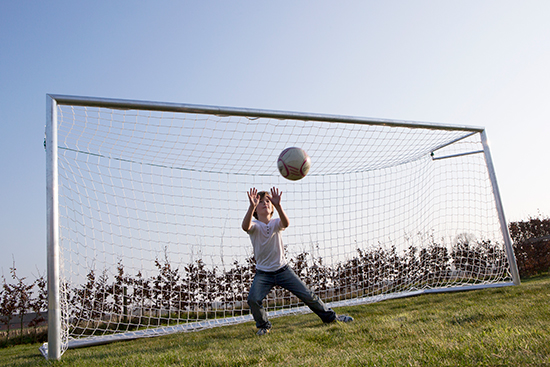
[(265, 208)]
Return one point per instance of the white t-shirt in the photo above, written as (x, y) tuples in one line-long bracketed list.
[(268, 244)]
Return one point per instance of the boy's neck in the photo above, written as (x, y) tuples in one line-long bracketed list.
[(265, 219)]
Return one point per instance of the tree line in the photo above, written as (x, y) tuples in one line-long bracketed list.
[(124, 301)]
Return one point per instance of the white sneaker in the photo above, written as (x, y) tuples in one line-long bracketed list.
[(343, 318)]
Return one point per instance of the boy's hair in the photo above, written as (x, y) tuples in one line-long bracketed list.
[(262, 195)]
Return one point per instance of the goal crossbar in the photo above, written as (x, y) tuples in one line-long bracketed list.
[(247, 112)]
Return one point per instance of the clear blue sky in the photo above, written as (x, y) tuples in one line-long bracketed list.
[(468, 62)]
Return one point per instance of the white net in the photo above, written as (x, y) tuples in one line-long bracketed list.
[(151, 204)]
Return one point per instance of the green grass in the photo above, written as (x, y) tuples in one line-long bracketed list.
[(494, 327)]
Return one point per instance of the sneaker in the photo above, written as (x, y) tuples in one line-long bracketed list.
[(263, 331), (343, 318)]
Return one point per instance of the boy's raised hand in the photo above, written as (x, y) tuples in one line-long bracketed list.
[(276, 201), (253, 197), (276, 196)]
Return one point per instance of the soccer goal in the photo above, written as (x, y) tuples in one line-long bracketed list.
[(145, 203)]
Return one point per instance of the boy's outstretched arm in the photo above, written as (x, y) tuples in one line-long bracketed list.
[(276, 201), (254, 200)]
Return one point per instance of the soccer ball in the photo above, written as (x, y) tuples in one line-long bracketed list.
[(293, 163)]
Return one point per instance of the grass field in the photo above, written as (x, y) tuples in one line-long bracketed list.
[(494, 327)]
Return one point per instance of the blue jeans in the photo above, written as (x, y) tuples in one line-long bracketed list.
[(285, 277)]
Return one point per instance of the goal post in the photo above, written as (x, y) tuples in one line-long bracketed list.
[(52, 203), (145, 201), (500, 210)]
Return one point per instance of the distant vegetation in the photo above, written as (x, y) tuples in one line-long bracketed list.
[(531, 240), (202, 292), (19, 298)]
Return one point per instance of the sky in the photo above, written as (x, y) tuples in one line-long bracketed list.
[(466, 62)]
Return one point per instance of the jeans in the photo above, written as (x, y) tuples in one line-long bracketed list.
[(286, 278)]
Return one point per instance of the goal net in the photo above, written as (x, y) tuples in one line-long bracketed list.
[(146, 202)]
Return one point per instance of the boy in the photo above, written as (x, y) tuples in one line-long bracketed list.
[(271, 266)]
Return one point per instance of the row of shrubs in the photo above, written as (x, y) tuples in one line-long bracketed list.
[(127, 301), (531, 241), (19, 298), (197, 289)]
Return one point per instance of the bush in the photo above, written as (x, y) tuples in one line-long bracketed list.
[(17, 301), (195, 289), (531, 241)]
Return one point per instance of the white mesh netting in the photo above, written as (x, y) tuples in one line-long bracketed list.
[(151, 204)]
